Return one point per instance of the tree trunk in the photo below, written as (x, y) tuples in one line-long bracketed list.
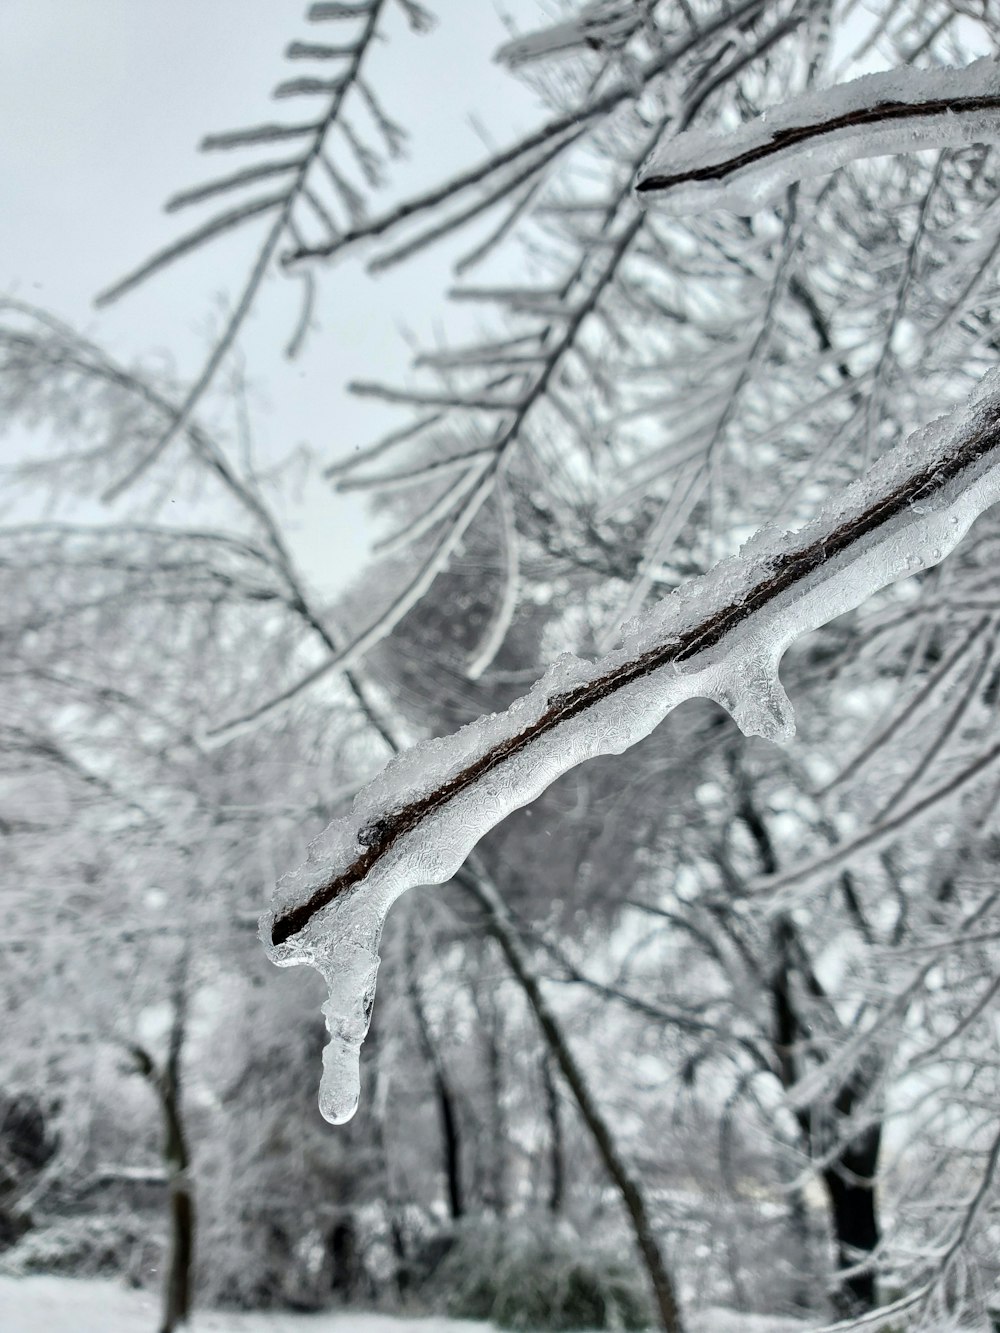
[(850, 1186), (451, 1137), (452, 1147), (342, 1247), (180, 1260), (849, 1179), (177, 1293), (166, 1083), (177, 1289), (26, 1146), (505, 934), (492, 1032), (556, 1175)]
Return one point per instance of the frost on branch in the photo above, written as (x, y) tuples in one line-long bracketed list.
[(722, 637), (900, 111)]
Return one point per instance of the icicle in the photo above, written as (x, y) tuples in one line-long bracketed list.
[(751, 692)]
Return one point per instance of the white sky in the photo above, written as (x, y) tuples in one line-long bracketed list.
[(103, 103)]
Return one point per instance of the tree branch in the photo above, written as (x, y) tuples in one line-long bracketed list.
[(753, 607)]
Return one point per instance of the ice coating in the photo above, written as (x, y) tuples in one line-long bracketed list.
[(900, 111), (721, 638)]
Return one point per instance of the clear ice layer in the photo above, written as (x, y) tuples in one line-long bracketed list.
[(747, 188)]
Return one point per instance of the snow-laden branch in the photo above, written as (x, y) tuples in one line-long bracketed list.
[(283, 205), (722, 637), (899, 111)]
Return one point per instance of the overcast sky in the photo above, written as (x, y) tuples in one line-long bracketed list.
[(104, 103)]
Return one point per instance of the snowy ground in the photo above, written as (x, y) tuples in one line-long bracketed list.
[(68, 1305)]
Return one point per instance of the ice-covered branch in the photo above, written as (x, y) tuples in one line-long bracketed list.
[(721, 638), (899, 111)]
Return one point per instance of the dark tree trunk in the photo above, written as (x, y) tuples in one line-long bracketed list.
[(854, 1216), (556, 1175), (452, 1146), (849, 1179), (343, 1251), (806, 1284), (397, 1235), (177, 1294), (177, 1291), (166, 1083), (451, 1136)]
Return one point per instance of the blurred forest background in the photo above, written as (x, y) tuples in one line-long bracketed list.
[(603, 1067)]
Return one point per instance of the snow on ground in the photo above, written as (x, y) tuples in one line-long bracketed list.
[(88, 1305), (733, 1321), (92, 1305)]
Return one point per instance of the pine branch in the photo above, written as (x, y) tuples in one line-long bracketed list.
[(337, 90), (568, 310), (571, 123)]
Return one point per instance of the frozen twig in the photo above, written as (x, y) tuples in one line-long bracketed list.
[(899, 111)]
